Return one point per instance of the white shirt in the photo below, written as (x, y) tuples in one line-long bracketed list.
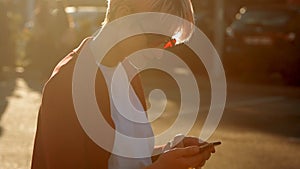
[(125, 124)]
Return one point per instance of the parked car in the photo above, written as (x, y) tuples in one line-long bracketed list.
[(265, 40)]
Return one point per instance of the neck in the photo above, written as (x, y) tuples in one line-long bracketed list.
[(113, 56)]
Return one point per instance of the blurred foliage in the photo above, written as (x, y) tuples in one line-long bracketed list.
[(48, 38), (12, 39)]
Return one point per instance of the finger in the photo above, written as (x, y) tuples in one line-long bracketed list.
[(197, 160), (187, 151), (201, 164), (213, 150), (203, 143), (207, 147), (204, 155), (194, 161), (207, 156), (191, 141)]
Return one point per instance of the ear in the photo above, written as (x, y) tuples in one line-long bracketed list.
[(122, 10)]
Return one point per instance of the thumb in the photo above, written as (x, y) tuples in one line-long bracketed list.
[(187, 151)]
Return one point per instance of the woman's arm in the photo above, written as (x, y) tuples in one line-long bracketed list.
[(182, 158)]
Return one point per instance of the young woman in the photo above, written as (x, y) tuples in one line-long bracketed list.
[(62, 143)]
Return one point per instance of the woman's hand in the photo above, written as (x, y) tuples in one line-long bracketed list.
[(191, 141), (181, 141), (183, 158)]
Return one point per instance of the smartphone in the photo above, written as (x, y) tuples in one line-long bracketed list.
[(215, 143)]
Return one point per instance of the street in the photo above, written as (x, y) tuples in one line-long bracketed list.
[(260, 127)]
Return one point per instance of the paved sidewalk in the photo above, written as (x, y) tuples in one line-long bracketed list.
[(18, 125)]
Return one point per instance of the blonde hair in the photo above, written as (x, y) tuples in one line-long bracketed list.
[(180, 8)]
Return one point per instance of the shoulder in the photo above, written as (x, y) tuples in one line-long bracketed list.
[(69, 58), (61, 77)]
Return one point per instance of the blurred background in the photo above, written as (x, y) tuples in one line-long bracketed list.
[(258, 42)]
